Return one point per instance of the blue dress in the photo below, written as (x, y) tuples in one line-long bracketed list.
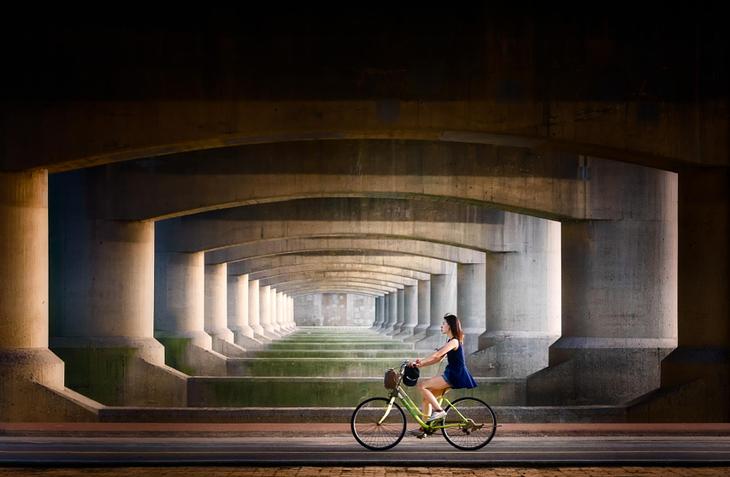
[(456, 373)]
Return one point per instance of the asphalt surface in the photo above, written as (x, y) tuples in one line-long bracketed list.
[(343, 450)]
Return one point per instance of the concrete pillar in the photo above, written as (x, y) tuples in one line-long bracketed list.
[(102, 295), (243, 334), (400, 313), (265, 311), (695, 377), (619, 300), (522, 305), (279, 313), (443, 301), (292, 323), (31, 376), (273, 313), (392, 310), (180, 316), (379, 311), (471, 305), (410, 311), (216, 311), (254, 310), (424, 311)]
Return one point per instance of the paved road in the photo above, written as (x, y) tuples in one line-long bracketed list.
[(341, 450)]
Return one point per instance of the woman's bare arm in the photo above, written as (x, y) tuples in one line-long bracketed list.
[(438, 355)]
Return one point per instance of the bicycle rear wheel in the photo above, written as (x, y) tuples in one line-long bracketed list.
[(473, 432), (373, 429)]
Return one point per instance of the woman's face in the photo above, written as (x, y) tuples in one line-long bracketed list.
[(445, 327)]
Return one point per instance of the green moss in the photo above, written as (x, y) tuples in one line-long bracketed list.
[(98, 373)]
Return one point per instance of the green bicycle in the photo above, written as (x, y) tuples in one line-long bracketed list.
[(379, 423)]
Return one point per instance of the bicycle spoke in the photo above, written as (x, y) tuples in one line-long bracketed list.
[(476, 424), (368, 429)]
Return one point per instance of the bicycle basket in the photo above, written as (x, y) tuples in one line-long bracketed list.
[(391, 379)]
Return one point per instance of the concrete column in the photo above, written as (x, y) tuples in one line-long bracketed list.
[(102, 290), (238, 312), (279, 324), (522, 305), (424, 311), (619, 300), (443, 301), (281, 307), (470, 306), (31, 376), (392, 307), (292, 323), (379, 311), (273, 313), (254, 310), (180, 316), (216, 311), (400, 313), (695, 377), (265, 311), (410, 311), (216, 303)]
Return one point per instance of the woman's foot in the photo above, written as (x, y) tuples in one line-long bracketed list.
[(440, 414), (420, 433)]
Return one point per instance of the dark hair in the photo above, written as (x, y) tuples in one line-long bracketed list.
[(455, 326)]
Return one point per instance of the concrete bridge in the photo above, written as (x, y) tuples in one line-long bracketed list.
[(178, 207)]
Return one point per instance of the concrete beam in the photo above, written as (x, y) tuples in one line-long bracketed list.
[(449, 223), (275, 273), (320, 244), (387, 280), (404, 262)]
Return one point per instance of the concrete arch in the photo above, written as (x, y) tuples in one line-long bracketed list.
[(373, 285), (383, 278), (278, 272), (449, 223), (351, 290), (403, 262), (317, 243), (513, 179)]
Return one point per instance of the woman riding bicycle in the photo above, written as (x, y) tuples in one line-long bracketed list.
[(455, 376)]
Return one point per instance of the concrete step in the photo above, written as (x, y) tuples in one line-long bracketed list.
[(325, 391), (352, 345), (505, 414), (315, 366), (395, 355)]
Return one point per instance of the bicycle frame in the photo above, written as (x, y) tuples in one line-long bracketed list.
[(412, 408)]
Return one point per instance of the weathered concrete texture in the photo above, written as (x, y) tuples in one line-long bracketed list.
[(216, 303), (695, 377), (470, 303), (319, 244), (414, 265), (304, 391), (121, 371), (254, 310), (522, 305), (179, 314), (451, 222), (238, 293), (424, 311), (619, 303), (443, 301), (410, 312), (32, 386)]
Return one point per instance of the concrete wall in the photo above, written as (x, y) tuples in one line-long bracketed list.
[(334, 309)]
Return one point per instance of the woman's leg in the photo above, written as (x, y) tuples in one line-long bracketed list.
[(429, 387)]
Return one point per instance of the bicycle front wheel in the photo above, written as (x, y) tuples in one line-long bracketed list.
[(376, 425), (470, 422)]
